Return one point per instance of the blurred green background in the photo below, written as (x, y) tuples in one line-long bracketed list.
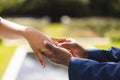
[(64, 18)]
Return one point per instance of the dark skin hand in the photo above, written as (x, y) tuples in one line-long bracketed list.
[(57, 54), (72, 45)]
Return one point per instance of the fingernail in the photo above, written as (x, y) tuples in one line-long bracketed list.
[(43, 66)]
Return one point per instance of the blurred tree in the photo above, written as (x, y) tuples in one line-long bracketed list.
[(105, 7), (9, 4), (57, 8)]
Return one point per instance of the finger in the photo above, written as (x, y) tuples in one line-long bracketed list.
[(67, 45), (73, 54), (60, 40), (49, 45), (72, 40), (48, 54), (40, 57)]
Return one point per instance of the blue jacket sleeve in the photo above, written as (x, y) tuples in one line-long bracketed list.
[(110, 55), (86, 69)]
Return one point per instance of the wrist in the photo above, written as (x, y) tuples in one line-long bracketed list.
[(81, 54), (25, 33), (85, 54), (68, 61)]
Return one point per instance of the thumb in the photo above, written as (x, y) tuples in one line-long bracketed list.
[(49, 45), (67, 45)]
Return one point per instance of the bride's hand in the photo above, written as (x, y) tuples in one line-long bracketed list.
[(35, 39)]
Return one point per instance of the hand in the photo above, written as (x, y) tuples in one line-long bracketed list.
[(57, 55), (72, 46), (61, 40), (35, 39)]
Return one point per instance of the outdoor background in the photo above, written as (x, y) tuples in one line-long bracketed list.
[(93, 23)]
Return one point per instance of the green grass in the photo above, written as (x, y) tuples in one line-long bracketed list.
[(115, 44), (55, 30), (5, 56)]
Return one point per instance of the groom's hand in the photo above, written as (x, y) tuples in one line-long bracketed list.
[(57, 55), (73, 46)]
